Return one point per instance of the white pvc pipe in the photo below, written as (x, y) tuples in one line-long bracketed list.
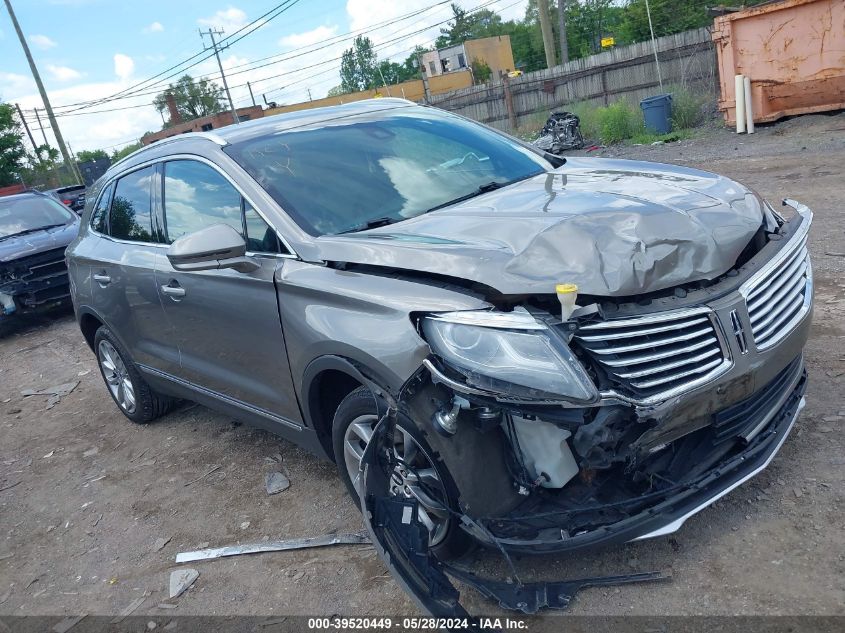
[(749, 109), (739, 92)]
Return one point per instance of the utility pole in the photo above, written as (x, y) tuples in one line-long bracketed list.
[(308, 90), (426, 92), (546, 30), (251, 96), (61, 141), (561, 24), (384, 83), (43, 133), (654, 45), (211, 33), (25, 126)]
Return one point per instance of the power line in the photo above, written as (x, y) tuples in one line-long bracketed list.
[(256, 24), (282, 57), (286, 56)]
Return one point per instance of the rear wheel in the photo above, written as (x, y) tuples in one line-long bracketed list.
[(419, 474), (130, 392)]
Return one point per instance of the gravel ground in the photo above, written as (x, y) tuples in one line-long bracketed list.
[(85, 495)]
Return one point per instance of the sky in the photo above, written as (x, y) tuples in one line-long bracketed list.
[(92, 49)]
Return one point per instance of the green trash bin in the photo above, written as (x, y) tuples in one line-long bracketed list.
[(657, 112)]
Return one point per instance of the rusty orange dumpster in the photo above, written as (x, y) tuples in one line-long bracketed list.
[(794, 53)]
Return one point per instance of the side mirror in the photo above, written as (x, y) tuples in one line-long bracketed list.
[(214, 247)]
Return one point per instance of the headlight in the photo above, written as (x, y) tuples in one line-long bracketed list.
[(510, 354)]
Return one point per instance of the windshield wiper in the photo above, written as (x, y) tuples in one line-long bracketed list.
[(33, 230), (369, 224), (490, 186)]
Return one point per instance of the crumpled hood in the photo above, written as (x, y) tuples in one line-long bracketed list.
[(613, 227), (15, 247)]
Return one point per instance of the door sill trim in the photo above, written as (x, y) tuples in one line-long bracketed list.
[(219, 396)]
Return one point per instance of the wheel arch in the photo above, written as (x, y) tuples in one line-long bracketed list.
[(89, 323), (327, 380)]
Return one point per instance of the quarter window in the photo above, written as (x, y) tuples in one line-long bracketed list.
[(129, 218), (260, 238), (197, 196), (101, 210)]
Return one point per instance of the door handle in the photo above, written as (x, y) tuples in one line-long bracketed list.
[(102, 279), (175, 292)]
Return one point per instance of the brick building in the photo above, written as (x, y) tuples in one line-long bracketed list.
[(204, 124)]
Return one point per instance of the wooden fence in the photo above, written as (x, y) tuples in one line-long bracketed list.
[(686, 59)]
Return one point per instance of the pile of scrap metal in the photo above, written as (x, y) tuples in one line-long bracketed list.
[(561, 132)]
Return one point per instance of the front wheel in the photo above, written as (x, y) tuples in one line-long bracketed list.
[(419, 474)]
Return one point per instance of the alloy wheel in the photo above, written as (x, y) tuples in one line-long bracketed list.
[(116, 376), (414, 475)]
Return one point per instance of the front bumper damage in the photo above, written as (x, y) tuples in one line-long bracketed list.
[(401, 539), (643, 468), (34, 283)]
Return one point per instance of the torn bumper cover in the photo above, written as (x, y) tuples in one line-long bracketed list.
[(401, 539)]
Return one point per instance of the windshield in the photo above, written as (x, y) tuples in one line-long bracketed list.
[(24, 215), (381, 167)]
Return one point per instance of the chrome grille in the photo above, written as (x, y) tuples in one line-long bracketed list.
[(652, 356), (779, 296)]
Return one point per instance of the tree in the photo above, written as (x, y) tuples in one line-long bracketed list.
[(336, 91), (194, 99), (12, 152), (86, 155), (466, 25), (480, 71), (119, 154), (358, 66)]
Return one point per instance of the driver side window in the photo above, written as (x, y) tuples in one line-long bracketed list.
[(197, 196)]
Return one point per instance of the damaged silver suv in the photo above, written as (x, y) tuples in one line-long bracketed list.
[(493, 344)]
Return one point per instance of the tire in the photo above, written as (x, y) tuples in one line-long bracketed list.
[(130, 392), (361, 408)]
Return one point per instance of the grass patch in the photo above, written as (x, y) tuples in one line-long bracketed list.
[(647, 138), (622, 121)]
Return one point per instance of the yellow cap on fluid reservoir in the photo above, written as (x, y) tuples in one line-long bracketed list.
[(566, 288)]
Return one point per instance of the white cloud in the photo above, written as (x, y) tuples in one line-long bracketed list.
[(314, 36), (123, 65), (230, 20), (92, 131), (42, 41), (155, 27), (63, 73), (14, 83)]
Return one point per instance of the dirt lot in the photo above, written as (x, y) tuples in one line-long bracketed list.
[(84, 495)]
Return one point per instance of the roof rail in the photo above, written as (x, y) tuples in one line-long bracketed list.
[(211, 136)]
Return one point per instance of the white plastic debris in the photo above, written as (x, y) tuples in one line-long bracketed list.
[(181, 580)]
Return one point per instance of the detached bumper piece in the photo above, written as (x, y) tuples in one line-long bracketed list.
[(401, 540), (34, 282)]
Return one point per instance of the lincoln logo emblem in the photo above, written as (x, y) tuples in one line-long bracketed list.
[(739, 333)]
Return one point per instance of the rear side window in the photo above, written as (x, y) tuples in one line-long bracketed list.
[(129, 218), (197, 196), (100, 213)]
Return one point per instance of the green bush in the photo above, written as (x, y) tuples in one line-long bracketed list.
[(688, 109), (617, 122)]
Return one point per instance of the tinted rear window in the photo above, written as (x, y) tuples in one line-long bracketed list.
[(129, 218), (100, 212), (395, 164)]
